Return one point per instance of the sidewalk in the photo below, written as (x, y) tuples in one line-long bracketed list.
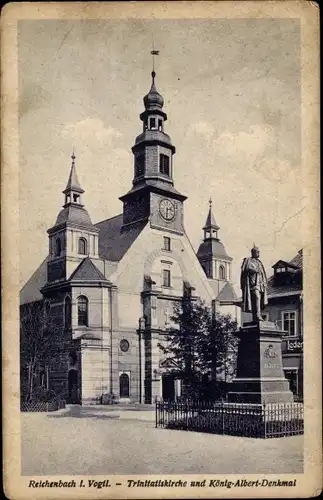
[(123, 412), (100, 441)]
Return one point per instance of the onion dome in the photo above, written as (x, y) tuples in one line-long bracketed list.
[(153, 98)]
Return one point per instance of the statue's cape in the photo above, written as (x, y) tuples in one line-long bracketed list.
[(245, 285)]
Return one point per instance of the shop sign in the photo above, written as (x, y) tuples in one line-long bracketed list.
[(294, 346)]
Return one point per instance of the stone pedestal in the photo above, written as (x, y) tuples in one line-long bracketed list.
[(260, 376)]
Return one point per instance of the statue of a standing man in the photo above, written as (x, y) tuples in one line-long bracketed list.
[(253, 285)]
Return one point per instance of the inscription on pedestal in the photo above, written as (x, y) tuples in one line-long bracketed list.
[(271, 366)]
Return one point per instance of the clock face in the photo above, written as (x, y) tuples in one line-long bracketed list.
[(167, 209)]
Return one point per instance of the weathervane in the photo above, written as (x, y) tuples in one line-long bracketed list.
[(154, 53)]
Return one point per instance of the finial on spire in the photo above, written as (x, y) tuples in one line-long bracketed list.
[(73, 158), (210, 202)]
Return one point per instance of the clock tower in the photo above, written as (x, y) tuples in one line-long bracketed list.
[(153, 196)]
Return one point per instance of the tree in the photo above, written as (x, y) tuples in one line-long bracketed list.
[(41, 341), (201, 344), (218, 349), (192, 321)]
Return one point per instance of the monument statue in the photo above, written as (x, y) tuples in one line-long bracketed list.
[(253, 285), (259, 376)]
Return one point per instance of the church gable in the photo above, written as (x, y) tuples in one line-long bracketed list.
[(168, 364), (87, 271), (148, 257), (227, 294)]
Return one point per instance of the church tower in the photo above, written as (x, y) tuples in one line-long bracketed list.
[(153, 196), (212, 254), (73, 236)]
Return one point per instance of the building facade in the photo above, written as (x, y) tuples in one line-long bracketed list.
[(111, 286), (285, 308)]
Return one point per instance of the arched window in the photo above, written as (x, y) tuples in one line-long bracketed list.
[(82, 311), (222, 272), (82, 246), (58, 247), (124, 385), (67, 312)]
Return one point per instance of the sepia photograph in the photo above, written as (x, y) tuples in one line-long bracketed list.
[(162, 253)]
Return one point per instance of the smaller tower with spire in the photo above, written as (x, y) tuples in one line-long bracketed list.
[(212, 254), (73, 236), (210, 228), (73, 190)]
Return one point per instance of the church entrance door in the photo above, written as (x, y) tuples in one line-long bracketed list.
[(124, 385), (168, 387)]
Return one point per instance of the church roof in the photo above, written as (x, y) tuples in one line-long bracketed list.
[(154, 135), (30, 292), (227, 294), (87, 271), (74, 214), (114, 241), (210, 221), (212, 248), (73, 182), (159, 185)]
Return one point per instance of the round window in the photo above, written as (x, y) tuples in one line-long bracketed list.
[(124, 345)]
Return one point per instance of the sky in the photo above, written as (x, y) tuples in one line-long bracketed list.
[(232, 95)]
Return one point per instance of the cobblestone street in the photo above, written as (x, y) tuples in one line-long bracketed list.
[(98, 441)]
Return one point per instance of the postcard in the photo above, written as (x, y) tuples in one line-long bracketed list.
[(161, 250)]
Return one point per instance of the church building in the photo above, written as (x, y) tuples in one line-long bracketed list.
[(111, 286)]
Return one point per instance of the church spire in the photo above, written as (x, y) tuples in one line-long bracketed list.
[(73, 188), (210, 227), (153, 149), (153, 195), (212, 253)]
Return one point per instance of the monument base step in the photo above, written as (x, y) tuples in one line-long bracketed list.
[(261, 397)]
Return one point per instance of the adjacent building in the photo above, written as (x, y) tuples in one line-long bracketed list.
[(111, 286), (285, 308)]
